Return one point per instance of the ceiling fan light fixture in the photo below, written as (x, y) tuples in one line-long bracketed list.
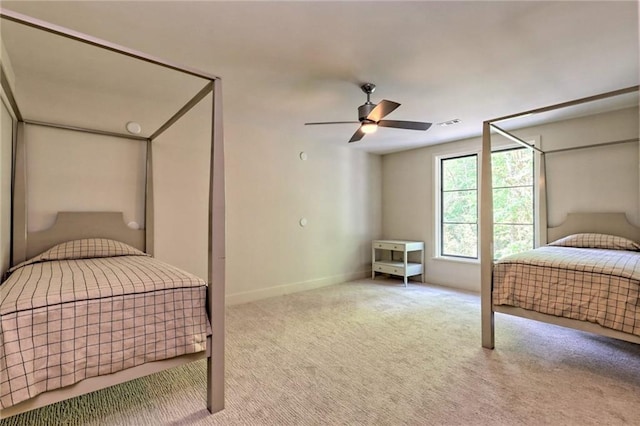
[(371, 116), (369, 128)]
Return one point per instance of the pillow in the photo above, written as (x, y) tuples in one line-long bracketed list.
[(84, 249), (600, 241)]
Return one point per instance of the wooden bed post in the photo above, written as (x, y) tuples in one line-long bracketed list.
[(148, 203), (486, 238), (19, 237), (540, 198), (216, 288)]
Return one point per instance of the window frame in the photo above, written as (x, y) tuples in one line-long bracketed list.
[(539, 201), (440, 208), (534, 188)]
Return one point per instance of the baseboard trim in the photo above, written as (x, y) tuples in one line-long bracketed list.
[(264, 293)]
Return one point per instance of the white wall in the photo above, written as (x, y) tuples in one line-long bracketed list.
[(598, 179), (181, 191), (74, 171), (269, 189)]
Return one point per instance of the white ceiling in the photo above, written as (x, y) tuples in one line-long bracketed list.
[(286, 63)]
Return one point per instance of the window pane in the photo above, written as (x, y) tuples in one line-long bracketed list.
[(460, 173), (513, 205), (460, 206), (510, 239), (513, 167), (460, 240)]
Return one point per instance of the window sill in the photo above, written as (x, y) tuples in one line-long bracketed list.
[(457, 259)]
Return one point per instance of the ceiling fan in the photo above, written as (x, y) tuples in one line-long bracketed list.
[(371, 116)]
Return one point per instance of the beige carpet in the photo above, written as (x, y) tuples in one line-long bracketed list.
[(376, 353)]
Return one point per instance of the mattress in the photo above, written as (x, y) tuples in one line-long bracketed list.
[(595, 285), (93, 308)]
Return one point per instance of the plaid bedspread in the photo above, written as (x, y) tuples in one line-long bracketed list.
[(595, 285), (66, 320)]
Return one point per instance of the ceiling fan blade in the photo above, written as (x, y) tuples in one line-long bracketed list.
[(359, 134), (410, 125), (332, 122), (382, 109)]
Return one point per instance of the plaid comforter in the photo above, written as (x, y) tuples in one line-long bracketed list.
[(595, 285), (62, 321)]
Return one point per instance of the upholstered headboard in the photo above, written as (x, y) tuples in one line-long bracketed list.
[(77, 225), (601, 223)]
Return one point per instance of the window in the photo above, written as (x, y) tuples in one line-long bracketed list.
[(513, 201), (512, 172), (459, 206)]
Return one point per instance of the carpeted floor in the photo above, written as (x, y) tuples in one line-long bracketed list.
[(376, 353)]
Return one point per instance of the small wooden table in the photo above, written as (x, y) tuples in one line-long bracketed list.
[(384, 259)]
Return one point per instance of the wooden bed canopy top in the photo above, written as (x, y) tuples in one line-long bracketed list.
[(613, 223), (26, 244)]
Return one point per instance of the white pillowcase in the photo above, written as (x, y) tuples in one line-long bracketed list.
[(600, 241)]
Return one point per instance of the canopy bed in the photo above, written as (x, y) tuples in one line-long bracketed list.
[(586, 278), (109, 311)]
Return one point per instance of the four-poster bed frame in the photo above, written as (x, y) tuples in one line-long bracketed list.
[(95, 224), (607, 223)]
